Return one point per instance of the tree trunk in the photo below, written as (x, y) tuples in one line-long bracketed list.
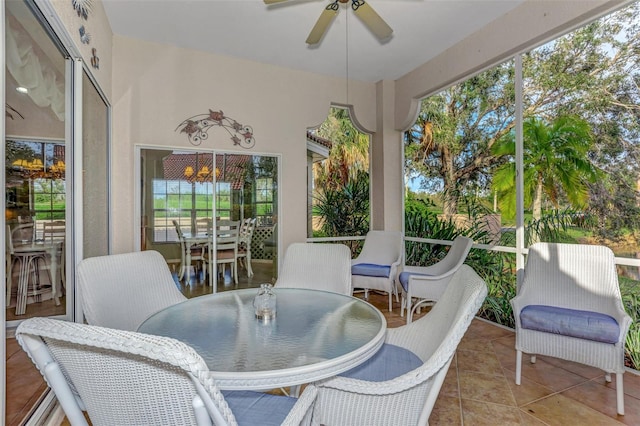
[(450, 195), (537, 200)]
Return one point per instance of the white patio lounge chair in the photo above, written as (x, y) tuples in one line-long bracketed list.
[(377, 265), (122, 290), (126, 378), (427, 283), (569, 307), (316, 266), (400, 384)]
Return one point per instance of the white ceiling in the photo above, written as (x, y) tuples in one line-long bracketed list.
[(276, 34)]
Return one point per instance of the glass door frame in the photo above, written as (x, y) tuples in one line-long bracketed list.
[(137, 178), (75, 68)]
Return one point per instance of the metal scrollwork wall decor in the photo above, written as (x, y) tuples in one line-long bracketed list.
[(83, 7), (85, 37), (197, 129)]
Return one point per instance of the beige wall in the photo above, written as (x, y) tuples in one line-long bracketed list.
[(156, 87), (97, 25)]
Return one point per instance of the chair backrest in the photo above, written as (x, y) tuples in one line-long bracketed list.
[(316, 266), (23, 232), (122, 290), (434, 338), (454, 258), (381, 248), (54, 231), (122, 377), (8, 241), (246, 230), (204, 225), (574, 276), (227, 235)]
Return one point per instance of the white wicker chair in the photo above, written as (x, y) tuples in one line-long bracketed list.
[(580, 278), (126, 378), (244, 243), (122, 290), (427, 283), (408, 398), (377, 265), (316, 266)]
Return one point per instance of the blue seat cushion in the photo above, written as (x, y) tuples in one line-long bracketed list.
[(257, 408), (570, 322), (404, 279), (371, 270), (389, 362)]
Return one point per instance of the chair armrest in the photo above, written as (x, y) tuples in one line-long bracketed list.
[(300, 414)]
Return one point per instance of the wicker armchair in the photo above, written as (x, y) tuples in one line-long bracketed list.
[(407, 398), (122, 290), (316, 266), (377, 265), (427, 283), (569, 307), (125, 378)]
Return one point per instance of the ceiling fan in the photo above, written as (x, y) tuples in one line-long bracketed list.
[(371, 19)]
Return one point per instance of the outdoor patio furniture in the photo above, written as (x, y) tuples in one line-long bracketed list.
[(316, 266), (377, 265), (427, 283), (399, 385), (122, 290), (29, 256), (569, 307), (226, 250), (189, 250), (244, 243), (126, 378)]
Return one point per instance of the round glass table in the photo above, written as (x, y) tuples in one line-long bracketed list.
[(315, 335)]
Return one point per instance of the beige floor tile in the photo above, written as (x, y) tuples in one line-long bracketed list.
[(529, 420), (485, 387), (478, 345), (560, 410), (548, 375), (527, 391), (450, 385), (505, 352), (481, 362), (446, 412), (603, 399), (582, 370), (479, 413)]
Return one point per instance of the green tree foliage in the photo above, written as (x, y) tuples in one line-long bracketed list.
[(341, 182), (345, 210), (450, 143), (349, 153), (555, 161), (592, 72)]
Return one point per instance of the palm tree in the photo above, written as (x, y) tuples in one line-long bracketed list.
[(555, 161), (349, 154)]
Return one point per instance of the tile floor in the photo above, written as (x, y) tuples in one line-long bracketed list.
[(479, 390)]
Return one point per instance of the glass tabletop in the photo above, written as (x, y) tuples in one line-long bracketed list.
[(315, 333)]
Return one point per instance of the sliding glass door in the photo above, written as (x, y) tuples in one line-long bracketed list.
[(186, 194)]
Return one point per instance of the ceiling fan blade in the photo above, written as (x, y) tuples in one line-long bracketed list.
[(371, 19), (273, 1), (321, 25)]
